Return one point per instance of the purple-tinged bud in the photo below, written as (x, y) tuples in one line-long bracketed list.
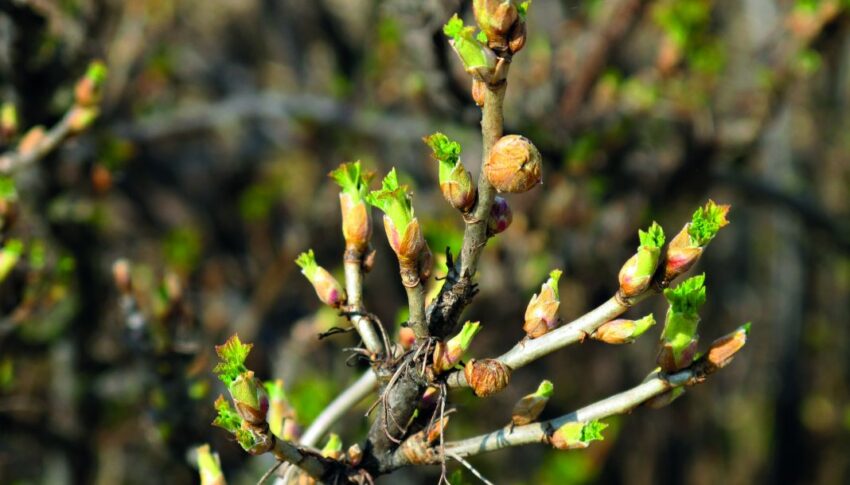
[(636, 274), (406, 337), (577, 435), (528, 409), (487, 376), (328, 289), (501, 217), (541, 314), (514, 165), (448, 354), (622, 331)]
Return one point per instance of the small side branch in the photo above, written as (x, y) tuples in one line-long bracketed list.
[(354, 289), (14, 160)]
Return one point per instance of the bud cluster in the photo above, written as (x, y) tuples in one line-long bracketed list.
[(503, 23)]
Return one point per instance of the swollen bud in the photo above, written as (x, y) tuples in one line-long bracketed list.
[(487, 376), (478, 59), (327, 288), (577, 434), (679, 338), (455, 181), (356, 216), (723, 350), (355, 454), (528, 409), (636, 275), (541, 315), (686, 248), (501, 216), (622, 331), (448, 354), (496, 18), (514, 165), (209, 466), (89, 89)]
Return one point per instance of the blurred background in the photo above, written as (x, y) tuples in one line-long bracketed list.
[(207, 171)]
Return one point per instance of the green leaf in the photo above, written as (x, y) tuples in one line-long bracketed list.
[(232, 354), (706, 222), (333, 445), (522, 10), (352, 180), (545, 389), (446, 151), (393, 200), (688, 297), (226, 418), (469, 48), (554, 276), (307, 262), (653, 237), (592, 431), (7, 188)]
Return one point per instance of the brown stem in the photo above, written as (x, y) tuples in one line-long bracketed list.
[(354, 290)]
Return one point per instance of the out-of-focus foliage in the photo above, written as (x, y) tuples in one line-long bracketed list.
[(207, 167)]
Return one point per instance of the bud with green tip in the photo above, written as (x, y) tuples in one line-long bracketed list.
[(247, 391), (686, 248), (89, 89), (541, 315), (622, 331), (333, 448), (455, 181), (449, 354), (10, 254), (8, 120), (528, 409), (577, 435), (356, 216), (679, 338), (209, 466), (500, 218), (403, 230), (226, 418), (328, 289), (723, 350), (478, 59), (636, 274)]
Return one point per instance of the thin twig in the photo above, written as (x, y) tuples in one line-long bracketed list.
[(14, 160), (469, 467), (354, 290)]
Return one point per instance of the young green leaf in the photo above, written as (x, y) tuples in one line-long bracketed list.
[(232, 354), (706, 222), (653, 237)]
